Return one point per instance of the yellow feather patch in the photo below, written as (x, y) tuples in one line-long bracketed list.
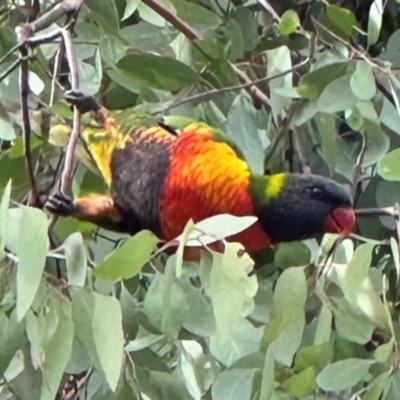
[(275, 184), (101, 145)]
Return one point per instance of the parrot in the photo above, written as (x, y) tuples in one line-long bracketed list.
[(163, 172)]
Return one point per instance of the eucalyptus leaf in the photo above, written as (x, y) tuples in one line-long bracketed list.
[(289, 22), (127, 261), (135, 71), (337, 96), (241, 127), (343, 374), (375, 21), (301, 384), (389, 166), (31, 252), (75, 257)]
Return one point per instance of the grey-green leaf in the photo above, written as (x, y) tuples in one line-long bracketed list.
[(126, 261), (362, 81), (343, 374), (31, 251), (135, 71), (75, 257)]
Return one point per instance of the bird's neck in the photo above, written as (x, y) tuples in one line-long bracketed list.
[(264, 188)]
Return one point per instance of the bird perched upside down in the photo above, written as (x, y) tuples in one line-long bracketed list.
[(160, 178)]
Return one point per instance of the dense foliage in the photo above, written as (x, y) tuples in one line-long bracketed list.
[(298, 85)]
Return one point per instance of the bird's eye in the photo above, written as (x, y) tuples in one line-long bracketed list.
[(317, 192)]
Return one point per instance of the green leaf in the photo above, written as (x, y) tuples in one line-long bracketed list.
[(7, 131), (143, 342), (386, 194), (324, 327), (58, 351), (317, 356), (109, 342), (112, 50), (215, 228), (342, 18), (286, 308), (161, 385), (268, 376), (248, 26), (383, 352), (377, 386), (312, 84), (191, 367), (394, 247), (12, 335), (389, 166), (198, 17), (31, 251), (172, 303), (302, 384), (292, 255), (351, 325), (146, 37), (293, 281), (127, 261), (135, 71), (357, 272), (75, 258), (105, 14), (234, 384), (375, 21), (241, 128), (8, 39), (4, 204), (279, 60), (290, 21), (343, 374), (232, 293), (354, 118), (377, 143), (130, 8), (285, 346), (93, 315), (337, 96), (328, 133), (362, 82)]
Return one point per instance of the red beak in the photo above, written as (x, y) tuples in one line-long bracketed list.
[(340, 220)]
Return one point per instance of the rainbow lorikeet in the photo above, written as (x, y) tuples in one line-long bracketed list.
[(160, 177)]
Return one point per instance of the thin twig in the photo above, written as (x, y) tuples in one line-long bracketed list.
[(374, 212), (26, 128), (61, 9), (358, 166), (214, 92), (270, 10), (12, 67), (279, 136), (76, 127), (56, 71)]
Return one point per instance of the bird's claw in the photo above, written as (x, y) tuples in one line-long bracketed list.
[(61, 204), (84, 103)]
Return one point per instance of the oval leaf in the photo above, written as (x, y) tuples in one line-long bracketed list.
[(135, 71), (343, 374), (290, 21), (216, 228), (362, 82), (389, 166), (126, 261)]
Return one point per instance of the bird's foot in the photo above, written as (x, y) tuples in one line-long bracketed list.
[(61, 204), (84, 103)]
